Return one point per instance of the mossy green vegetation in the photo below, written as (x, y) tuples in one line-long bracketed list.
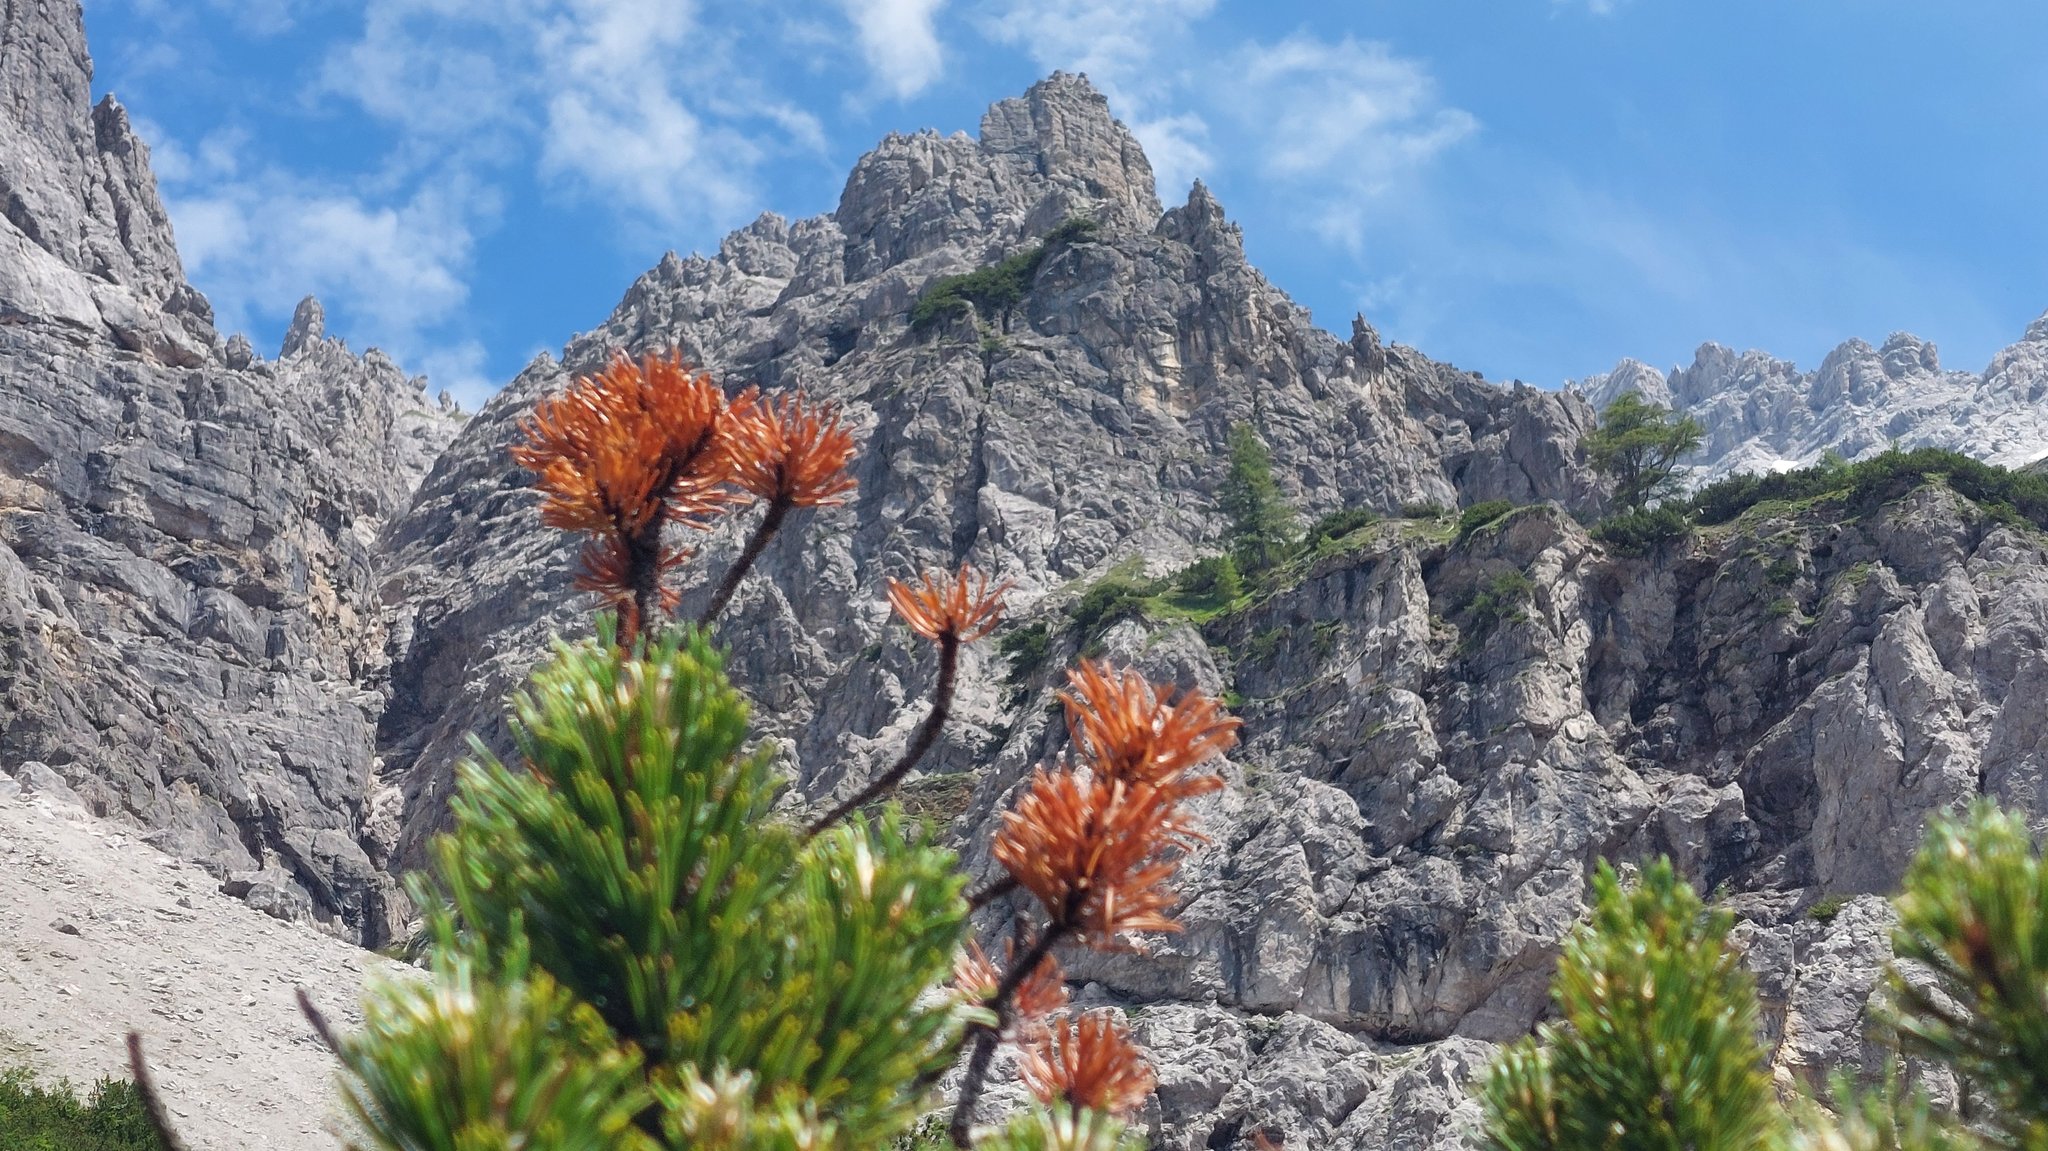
[(1329, 534), (109, 1117), (2013, 496), (1826, 908), (995, 290), (1482, 515)]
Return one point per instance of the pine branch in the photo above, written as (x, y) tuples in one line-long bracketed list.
[(985, 1036), (321, 1027), (994, 890), (778, 510), (153, 1103), (920, 744)]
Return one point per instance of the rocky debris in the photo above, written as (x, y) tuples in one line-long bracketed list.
[(101, 934), (188, 625), (1764, 414)]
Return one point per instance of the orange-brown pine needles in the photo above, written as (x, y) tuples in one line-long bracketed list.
[(1098, 847), (1128, 729), (789, 451), (961, 608), (1096, 852), (643, 444), (1090, 1063), (1042, 991)]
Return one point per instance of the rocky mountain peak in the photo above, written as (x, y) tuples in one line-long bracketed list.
[(1062, 128), (1762, 413), (1049, 154), (73, 176), (1905, 354), (308, 326)]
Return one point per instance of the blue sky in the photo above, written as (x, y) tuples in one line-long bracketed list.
[(1529, 188)]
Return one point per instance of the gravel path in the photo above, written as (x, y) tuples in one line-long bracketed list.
[(101, 934)]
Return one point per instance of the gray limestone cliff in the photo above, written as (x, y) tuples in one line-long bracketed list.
[(257, 605), (1429, 771), (189, 637), (1084, 429)]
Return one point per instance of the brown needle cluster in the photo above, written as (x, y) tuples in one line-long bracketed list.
[(962, 608), (625, 452), (1089, 1063), (790, 451), (1041, 992), (1098, 847), (1130, 730), (1096, 842)]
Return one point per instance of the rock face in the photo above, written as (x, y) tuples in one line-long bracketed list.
[(1764, 414), (257, 605), (188, 634), (1083, 428), (1443, 733)]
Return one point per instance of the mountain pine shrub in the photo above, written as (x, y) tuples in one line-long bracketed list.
[(1655, 1045), (633, 948), (1655, 1042)]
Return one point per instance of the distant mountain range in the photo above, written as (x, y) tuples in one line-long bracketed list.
[(1764, 414)]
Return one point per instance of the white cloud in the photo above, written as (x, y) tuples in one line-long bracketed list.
[(1175, 146), (900, 42), (259, 241), (1118, 43), (1346, 122), (636, 104)]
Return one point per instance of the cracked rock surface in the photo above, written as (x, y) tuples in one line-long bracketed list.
[(250, 608)]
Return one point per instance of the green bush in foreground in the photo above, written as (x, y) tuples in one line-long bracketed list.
[(35, 1118), (1655, 1046)]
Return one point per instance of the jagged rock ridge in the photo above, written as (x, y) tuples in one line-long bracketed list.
[(188, 634), (1090, 429), (228, 613), (1764, 414)]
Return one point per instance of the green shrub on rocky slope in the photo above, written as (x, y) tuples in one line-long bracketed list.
[(1655, 1045), (37, 1118)]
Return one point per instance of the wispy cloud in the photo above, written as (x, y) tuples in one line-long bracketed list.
[(632, 103), (900, 42), (1344, 122), (259, 237)]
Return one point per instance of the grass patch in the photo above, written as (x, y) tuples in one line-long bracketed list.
[(1826, 908), (109, 1118)]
